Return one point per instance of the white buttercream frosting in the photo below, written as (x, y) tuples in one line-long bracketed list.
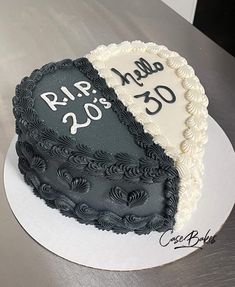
[(183, 139)]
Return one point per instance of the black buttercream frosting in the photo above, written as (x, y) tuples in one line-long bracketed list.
[(110, 173)]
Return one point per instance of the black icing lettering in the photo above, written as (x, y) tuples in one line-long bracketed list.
[(158, 66), (124, 77), (144, 70), (147, 99), (144, 66), (172, 94), (138, 74), (157, 89)]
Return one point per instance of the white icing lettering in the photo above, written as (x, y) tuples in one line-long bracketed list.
[(84, 87), (104, 102), (52, 102), (67, 93), (87, 108), (75, 125), (92, 111)]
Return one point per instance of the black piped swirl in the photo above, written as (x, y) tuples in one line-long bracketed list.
[(154, 167), (131, 199), (104, 220)]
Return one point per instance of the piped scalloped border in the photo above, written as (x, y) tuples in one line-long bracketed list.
[(30, 128), (189, 160), (98, 162)]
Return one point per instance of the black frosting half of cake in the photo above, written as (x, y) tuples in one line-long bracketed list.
[(84, 153)]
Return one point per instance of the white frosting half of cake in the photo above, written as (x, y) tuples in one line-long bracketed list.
[(170, 103)]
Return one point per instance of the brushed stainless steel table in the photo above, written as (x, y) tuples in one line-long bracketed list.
[(35, 32)]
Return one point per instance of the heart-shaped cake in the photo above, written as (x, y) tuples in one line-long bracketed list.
[(116, 138)]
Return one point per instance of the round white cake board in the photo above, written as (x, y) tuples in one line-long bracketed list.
[(91, 247)]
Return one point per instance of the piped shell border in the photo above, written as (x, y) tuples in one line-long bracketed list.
[(189, 160)]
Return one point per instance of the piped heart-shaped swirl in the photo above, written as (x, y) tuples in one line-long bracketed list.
[(132, 199)]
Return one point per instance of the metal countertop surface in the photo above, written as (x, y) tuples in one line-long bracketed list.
[(33, 33)]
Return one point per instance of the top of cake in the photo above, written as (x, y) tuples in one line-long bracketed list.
[(124, 130)]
